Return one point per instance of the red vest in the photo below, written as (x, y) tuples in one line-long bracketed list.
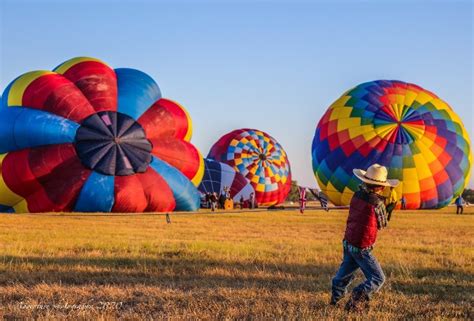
[(361, 227)]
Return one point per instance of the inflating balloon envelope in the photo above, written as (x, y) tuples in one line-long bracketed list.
[(260, 158), (402, 126)]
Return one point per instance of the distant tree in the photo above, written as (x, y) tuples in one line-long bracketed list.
[(294, 194), (468, 195)]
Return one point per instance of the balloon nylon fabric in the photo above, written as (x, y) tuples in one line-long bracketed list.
[(85, 137), (260, 158), (218, 176), (402, 126)]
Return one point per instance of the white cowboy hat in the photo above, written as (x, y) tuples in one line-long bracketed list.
[(376, 175)]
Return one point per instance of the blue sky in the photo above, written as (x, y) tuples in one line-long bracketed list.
[(271, 65)]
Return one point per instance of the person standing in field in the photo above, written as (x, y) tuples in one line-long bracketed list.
[(213, 200), (459, 205), (227, 191), (241, 202), (222, 198), (367, 215), (207, 200), (252, 201), (403, 202)]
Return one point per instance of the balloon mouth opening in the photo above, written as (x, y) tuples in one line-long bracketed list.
[(262, 157), (113, 143)]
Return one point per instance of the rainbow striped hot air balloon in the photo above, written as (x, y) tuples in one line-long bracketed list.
[(401, 126), (89, 138), (260, 158)]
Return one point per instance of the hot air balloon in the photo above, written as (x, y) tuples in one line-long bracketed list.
[(88, 138), (402, 126), (258, 157), (218, 176)]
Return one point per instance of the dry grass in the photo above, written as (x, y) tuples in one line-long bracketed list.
[(260, 265)]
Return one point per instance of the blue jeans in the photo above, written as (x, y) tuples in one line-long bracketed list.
[(351, 262)]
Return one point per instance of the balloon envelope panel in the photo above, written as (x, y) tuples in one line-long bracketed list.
[(218, 176), (258, 157), (402, 126), (86, 137)]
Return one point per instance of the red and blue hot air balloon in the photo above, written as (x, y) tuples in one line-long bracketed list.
[(85, 137)]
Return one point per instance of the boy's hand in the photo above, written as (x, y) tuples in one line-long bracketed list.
[(390, 207)]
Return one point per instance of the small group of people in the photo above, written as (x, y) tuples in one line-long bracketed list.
[(252, 202), (211, 200), (224, 201), (221, 201), (249, 203)]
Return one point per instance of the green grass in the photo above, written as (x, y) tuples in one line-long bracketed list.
[(244, 265)]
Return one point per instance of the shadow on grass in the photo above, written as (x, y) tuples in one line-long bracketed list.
[(172, 270), (440, 284)]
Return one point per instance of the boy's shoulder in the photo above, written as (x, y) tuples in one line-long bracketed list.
[(376, 199), (371, 198)]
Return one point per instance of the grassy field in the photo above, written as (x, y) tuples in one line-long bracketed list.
[(259, 265)]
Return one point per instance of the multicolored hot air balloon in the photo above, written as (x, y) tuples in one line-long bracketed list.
[(260, 158), (402, 126), (89, 138), (218, 176)]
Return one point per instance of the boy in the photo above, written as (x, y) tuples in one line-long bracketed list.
[(367, 215)]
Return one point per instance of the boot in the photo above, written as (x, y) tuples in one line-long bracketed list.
[(334, 301), (358, 302)]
